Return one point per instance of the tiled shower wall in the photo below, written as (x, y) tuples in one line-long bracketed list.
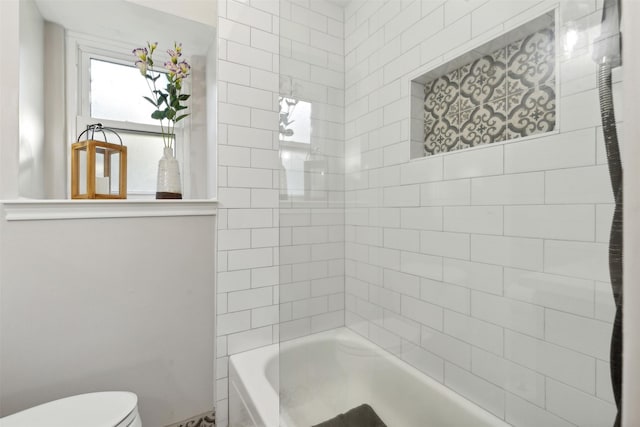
[(486, 269), (248, 182), (312, 225), (260, 57)]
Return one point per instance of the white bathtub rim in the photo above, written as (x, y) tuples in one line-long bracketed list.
[(253, 382), (253, 365), (247, 373)]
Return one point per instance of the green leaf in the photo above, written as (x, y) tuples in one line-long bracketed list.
[(181, 117), (159, 115), (181, 107), (150, 100), (162, 99), (184, 97), (170, 113)]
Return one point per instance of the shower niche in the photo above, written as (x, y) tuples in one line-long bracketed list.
[(502, 90)]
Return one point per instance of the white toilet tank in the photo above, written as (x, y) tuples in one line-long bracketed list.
[(102, 409)]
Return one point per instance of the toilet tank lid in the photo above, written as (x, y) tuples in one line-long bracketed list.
[(101, 409)]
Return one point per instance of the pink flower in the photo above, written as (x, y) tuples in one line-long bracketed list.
[(141, 53), (175, 53), (142, 66), (172, 68), (183, 68)]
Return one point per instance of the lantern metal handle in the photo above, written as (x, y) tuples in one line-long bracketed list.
[(97, 127)]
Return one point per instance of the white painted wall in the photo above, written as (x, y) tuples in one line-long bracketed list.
[(134, 23), (203, 11), (108, 304), (31, 102), (248, 182), (212, 123), (486, 268), (9, 93), (55, 137), (196, 156)]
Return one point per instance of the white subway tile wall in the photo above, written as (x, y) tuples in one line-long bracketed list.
[(312, 240), (248, 172), (485, 269)]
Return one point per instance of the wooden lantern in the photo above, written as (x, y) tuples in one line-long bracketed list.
[(98, 168)]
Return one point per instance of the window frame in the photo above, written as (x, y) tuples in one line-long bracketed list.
[(80, 50)]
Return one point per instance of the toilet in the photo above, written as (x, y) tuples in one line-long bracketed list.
[(102, 409)]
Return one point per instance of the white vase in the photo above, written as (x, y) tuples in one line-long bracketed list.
[(169, 185)]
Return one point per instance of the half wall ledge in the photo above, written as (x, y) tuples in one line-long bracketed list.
[(37, 210)]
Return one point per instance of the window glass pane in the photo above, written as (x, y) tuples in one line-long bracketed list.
[(293, 162), (143, 153), (117, 93), (295, 120)]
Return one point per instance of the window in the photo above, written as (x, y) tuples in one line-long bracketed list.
[(117, 91), (295, 120), (111, 91), (295, 147)]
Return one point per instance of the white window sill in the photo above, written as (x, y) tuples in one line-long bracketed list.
[(35, 210)]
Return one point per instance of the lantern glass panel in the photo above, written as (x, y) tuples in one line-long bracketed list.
[(102, 181), (82, 168), (115, 173), (100, 162)]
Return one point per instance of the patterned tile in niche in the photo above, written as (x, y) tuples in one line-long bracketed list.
[(531, 61), (453, 120), (442, 138), (430, 120), (483, 80), (441, 95), (532, 112), (495, 102), (484, 125), (454, 78)]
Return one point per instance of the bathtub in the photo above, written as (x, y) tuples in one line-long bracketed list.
[(331, 372)]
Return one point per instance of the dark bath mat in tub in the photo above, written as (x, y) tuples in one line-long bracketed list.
[(360, 416)]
